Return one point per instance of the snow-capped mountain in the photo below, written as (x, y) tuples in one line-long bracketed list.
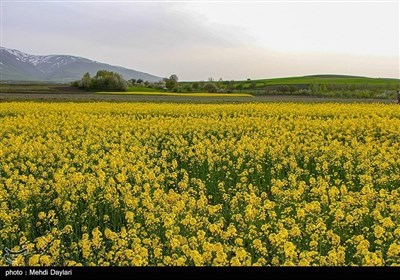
[(19, 66)]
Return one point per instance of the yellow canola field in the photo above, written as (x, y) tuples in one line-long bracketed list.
[(134, 184)]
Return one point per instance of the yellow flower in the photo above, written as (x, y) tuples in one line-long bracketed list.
[(394, 250), (120, 177), (67, 206), (290, 250), (55, 248), (18, 261), (34, 260), (372, 259), (129, 216), (42, 215), (362, 247), (97, 239), (109, 234), (387, 223), (45, 260), (349, 218), (71, 263), (313, 244), (397, 231), (239, 241), (85, 244), (378, 231), (41, 243), (67, 229)]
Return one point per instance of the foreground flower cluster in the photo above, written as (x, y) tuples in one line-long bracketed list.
[(183, 184)]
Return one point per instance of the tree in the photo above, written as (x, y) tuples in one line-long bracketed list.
[(314, 87), (195, 86), (239, 87), (210, 87), (284, 89), (188, 88), (132, 81), (86, 81), (174, 78), (230, 85), (171, 82)]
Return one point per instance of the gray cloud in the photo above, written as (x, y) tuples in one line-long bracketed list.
[(122, 33), (133, 25)]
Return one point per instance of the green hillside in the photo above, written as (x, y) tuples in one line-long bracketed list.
[(325, 80)]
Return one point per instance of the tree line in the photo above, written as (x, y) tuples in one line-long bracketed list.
[(111, 81)]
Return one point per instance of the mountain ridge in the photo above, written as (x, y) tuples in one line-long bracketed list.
[(16, 65)]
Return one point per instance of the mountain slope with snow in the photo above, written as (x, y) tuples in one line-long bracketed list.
[(19, 66)]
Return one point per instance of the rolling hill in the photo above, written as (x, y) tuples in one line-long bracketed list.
[(324, 80)]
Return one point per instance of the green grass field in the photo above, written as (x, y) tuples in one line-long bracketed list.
[(143, 89), (320, 80), (325, 80)]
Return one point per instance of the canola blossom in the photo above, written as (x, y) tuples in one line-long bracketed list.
[(136, 184)]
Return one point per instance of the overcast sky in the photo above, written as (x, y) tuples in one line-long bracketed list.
[(198, 40)]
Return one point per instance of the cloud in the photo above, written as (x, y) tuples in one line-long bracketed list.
[(131, 25), (200, 40)]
